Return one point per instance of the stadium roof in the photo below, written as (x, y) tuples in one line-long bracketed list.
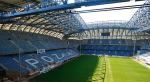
[(123, 14), (58, 19), (8, 5)]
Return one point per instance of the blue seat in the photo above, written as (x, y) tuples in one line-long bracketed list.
[(12, 65)]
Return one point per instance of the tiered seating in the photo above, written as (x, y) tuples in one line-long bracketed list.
[(9, 64), (74, 43), (20, 59), (107, 47), (24, 45), (38, 45), (115, 41), (13, 42), (33, 63), (119, 47), (147, 46), (144, 57), (144, 49), (6, 47)]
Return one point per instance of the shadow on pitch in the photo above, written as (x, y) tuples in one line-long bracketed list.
[(79, 70)]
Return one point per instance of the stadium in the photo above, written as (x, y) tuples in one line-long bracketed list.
[(74, 40)]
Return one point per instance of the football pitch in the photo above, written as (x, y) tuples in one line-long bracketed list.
[(97, 69)]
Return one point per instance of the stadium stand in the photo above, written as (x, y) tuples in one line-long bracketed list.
[(143, 55), (109, 47), (37, 36), (19, 55), (30, 64)]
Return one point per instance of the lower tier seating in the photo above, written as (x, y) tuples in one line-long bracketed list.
[(29, 64)]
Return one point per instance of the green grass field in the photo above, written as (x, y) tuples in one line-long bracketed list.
[(92, 69), (127, 70)]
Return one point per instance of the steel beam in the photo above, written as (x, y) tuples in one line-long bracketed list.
[(59, 7)]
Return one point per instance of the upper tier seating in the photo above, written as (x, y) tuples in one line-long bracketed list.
[(13, 42), (6, 47)]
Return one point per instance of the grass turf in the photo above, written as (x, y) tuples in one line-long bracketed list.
[(78, 70), (127, 70), (89, 68)]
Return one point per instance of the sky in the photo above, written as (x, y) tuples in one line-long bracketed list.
[(109, 15)]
